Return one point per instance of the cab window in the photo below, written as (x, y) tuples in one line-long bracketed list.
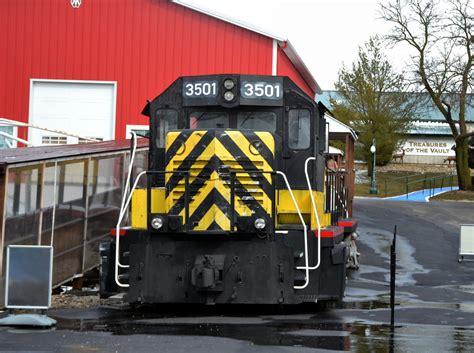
[(167, 120), (259, 121), (208, 120), (299, 129)]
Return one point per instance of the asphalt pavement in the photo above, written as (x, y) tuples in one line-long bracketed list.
[(434, 297)]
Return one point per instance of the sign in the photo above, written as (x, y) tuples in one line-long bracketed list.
[(428, 147), (76, 3), (200, 89), (466, 241), (29, 277), (261, 90)]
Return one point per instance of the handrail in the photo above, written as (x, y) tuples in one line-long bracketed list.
[(305, 231), (117, 231), (430, 179), (127, 186), (315, 213)]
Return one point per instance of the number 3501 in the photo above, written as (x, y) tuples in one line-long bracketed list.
[(261, 90)]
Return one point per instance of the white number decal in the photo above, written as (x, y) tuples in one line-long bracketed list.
[(200, 89), (257, 90), (189, 89), (277, 89), (269, 91), (206, 89), (249, 89)]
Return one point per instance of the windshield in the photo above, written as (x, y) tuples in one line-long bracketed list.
[(260, 121), (209, 120)]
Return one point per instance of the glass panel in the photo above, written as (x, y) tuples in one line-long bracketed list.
[(259, 121), (299, 129), (105, 196), (69, 218), (22, 213), (105, 184), (6, 142), (208, 120), (167, 120)]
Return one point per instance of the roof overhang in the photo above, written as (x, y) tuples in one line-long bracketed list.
[(336, 127), (283, 43)]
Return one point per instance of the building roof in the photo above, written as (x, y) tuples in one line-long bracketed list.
[(428, 113), (283, 43), (41, 153)]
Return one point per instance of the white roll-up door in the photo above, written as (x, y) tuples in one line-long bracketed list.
[(85, 108)]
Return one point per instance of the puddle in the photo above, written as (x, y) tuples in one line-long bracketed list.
[(407, 266)]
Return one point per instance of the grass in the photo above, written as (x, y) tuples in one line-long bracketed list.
[(395, 183), (457, 195)]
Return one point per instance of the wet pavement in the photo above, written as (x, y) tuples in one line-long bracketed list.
[(434, 313)]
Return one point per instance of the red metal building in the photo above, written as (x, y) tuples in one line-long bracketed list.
[(88, 66)]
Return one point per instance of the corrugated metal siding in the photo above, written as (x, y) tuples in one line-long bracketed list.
[(286, 68), (144, 45)]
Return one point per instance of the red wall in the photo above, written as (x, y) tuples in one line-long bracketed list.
[(286, 68), (144, 45)]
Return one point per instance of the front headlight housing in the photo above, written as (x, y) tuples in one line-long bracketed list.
[(157, 223), (260, 224), (229, 96)]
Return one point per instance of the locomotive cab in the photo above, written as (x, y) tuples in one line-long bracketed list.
[(234, 205)]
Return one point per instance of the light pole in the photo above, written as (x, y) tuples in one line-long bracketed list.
[(373, 185)]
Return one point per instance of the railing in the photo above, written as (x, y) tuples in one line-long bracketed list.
[(446, 180), (425, 181), (336, 195)]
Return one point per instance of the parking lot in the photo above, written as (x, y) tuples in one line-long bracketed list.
[(434, 299)]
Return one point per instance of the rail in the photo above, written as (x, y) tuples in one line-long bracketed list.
[(411, 179), (336, 195), (432, 184)]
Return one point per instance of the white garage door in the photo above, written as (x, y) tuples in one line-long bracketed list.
[(79, 107)]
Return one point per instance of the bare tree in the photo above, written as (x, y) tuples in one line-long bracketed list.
[(439, 33)]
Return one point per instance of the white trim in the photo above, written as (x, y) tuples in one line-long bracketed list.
[(130, 127), (275, 57), (114, 102), (226, 18), (14, 134)]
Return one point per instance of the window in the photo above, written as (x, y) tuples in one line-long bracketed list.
[(5, 141), (140, 130), (53, 140), (208, 120), (259, 121), (167, 120), (83, 140), (299, 130)]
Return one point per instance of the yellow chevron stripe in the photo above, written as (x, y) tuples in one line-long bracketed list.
[(189, 144), (267, 139), (214, 214), (170, 138), (221, 219), (241, 141), (207, 219)]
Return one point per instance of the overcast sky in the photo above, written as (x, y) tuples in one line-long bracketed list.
[(326, 33)]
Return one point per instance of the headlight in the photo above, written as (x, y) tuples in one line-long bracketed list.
[(228, 96), (157, 223), (229, 84), (259, 224)]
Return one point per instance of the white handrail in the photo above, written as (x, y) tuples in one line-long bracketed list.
[(315, 213), (126, 187), (305, 232), (117, 230)]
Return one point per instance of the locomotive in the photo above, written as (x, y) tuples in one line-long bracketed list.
[(235, 206)]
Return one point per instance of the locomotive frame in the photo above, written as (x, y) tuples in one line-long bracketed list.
[(223, 217)]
